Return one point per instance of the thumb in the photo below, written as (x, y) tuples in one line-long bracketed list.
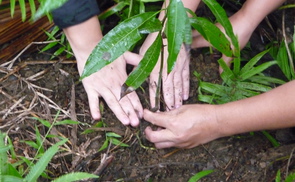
[(132, 58), (156, 118)]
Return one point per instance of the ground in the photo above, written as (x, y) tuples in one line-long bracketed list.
[(37, 88)]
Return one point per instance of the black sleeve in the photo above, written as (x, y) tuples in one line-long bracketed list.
[(74, 12)]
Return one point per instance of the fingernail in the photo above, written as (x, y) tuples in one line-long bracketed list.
[(177, 106), (185, 97)]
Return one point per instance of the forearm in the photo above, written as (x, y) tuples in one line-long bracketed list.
[(271, 110), (255, 11), (83, 38)]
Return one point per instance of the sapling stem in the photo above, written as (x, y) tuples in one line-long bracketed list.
[(159, 85)]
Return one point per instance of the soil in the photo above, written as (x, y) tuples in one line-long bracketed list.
[(37, 89)]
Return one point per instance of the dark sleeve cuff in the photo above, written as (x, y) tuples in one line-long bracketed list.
[(74, 12)]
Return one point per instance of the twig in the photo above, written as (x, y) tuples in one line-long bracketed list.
[(10, 63), (289, 160), (286, 43), (13, 106)]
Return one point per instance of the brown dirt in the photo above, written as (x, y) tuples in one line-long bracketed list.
[(40, 90)]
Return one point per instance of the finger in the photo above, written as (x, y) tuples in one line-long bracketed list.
[(158, 136), (129, 111), (168, 91), (93, 101), (178, 87), (162, 145), (156, 118), (132, 58), (115, 106), (152, 88), (136, 104), (185, 80)]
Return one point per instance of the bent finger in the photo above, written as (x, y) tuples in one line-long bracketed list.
[(156, 118), (132, 58), (158, 135)]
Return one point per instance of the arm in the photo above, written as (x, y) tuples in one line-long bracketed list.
[(107, 82), (244, 22), (192, 125)]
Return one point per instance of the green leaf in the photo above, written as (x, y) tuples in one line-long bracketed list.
[(66, 122), (222, 18), (46, 7), (104, 145), (4, 149), (278, 176), (273, 141), (282, 58), (118, 142), (32, 7), (10, 178), (200, 175), (115, 9), (290, 177), (215, 89), (176, 15), (265, 80), (40, 166), (253, 86), (212, 34), (22, 6), (75, 176), (253, 62), (115, 43), (32, 144), (112, 134), (187, 33), (12, 171), (44, 122), (256, 70), (227, 75), (144, 68), (12, 7), (151, 26)]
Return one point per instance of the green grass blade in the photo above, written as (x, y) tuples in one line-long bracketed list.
[(3, 155), (116, 42), (256, 70), (41, 165), (282, 58), (227, 75), (22, 6), (145, 67), (46, 7), (115, 9), (176, 19), (212, 34), (278, 176), (273, 141), (200, 175), (215, 89), (253, 62), (32, 7), (12, 7), (290, 177), (265, 80), (75, 177), (253, 86)]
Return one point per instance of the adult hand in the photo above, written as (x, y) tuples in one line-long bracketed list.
[(107, 83), (185, 127), (175, 86)]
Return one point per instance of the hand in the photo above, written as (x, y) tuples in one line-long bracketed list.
[(185, 127), (107, 83), (175, 86)]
